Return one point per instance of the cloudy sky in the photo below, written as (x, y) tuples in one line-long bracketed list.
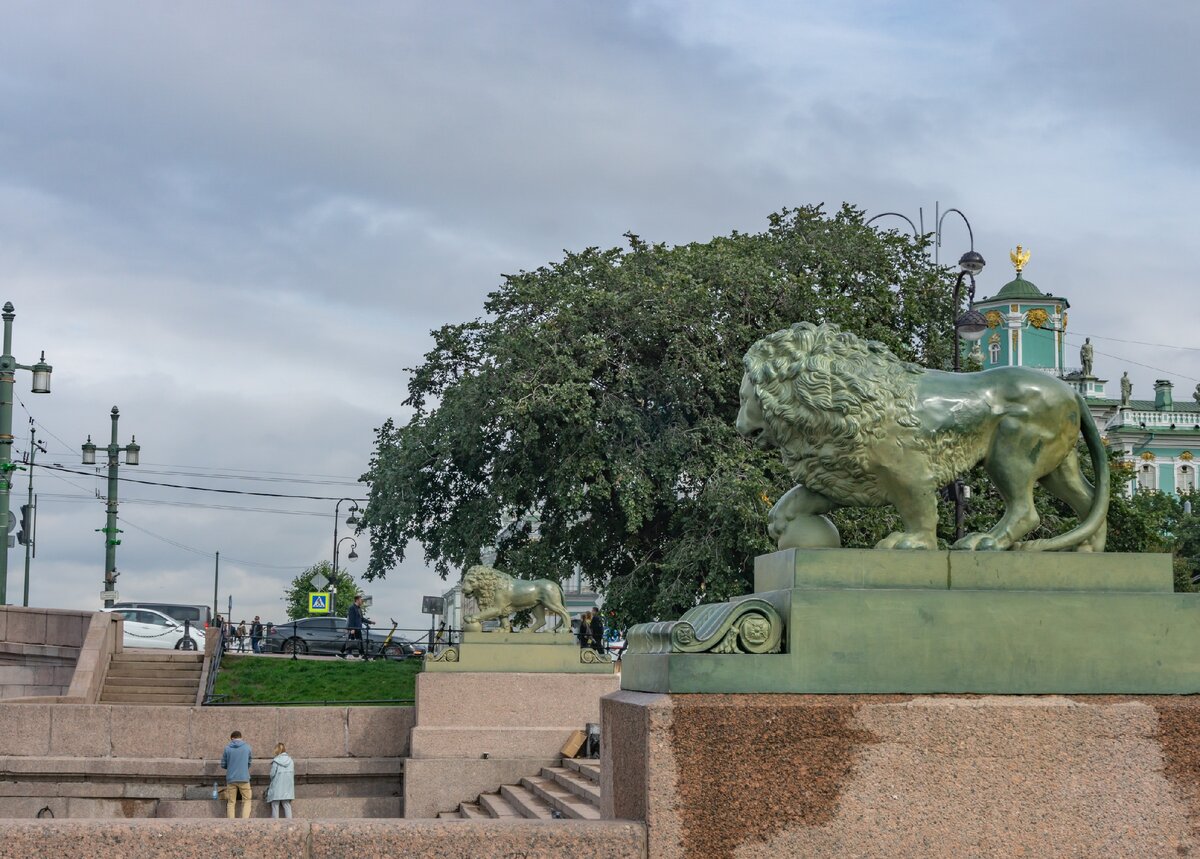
[(239, 221)]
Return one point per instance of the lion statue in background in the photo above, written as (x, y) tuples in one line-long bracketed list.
[(499, 595), (859, 427)]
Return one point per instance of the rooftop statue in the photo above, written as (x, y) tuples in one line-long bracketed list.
[(858, 427), (1086, 356), (499, 595), (1127, 389)]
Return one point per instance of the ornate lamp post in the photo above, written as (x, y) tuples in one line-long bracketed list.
[(41, 385), (352, 519), (132, 457)]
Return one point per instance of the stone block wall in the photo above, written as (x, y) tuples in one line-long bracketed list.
[(39, 649), (129, 731)]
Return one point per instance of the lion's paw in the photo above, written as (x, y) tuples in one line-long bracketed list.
[(906, 540), (977, 543)]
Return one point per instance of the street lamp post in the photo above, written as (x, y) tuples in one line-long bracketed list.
[(41, 385), (352, 519), (110, 529)]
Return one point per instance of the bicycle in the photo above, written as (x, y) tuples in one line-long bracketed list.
[(387, 649)]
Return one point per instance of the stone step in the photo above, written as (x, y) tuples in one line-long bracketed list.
[(173, 681), (449, 815), (588, 767), (581, 786), (560, 799), (472, 811), (160, 667), (527, 802), (497, 806), (156, 656), (313, 807), (146, 697)]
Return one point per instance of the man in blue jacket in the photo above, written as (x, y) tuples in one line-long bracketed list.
[(236, 763), (354, 627)]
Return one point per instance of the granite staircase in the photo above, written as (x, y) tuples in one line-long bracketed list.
[(152, 677), (569, 792)]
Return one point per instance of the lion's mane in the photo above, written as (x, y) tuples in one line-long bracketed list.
[(485, 584), (827, 396)]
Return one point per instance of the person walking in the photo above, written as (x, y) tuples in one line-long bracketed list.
[(218, 623), (585, 629), (597, 629), (283, 783), (236, 763), (241, 637), (354, 625), (256, 634)]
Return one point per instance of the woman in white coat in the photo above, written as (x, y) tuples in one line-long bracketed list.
[(283, 783)]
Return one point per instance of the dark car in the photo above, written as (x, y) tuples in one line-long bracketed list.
[(325, 636)]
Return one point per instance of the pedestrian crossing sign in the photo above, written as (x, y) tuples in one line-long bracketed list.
[(318, 602)]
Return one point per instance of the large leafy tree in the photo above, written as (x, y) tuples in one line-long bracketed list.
[(596, 398), (296, 595)]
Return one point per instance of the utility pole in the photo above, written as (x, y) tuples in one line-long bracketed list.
[(28, 533), (216, 578), (110, 529), (41, 385)]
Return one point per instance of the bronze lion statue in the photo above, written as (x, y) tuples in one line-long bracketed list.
[(499, 595), (859, 427)]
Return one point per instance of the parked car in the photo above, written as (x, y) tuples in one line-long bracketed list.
[(199, 615), (148, 628), (324, 636)]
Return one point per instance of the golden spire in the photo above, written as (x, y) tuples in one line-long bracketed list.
[(1019, 257)]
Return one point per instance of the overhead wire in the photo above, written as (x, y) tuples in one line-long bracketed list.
[(66, 470)]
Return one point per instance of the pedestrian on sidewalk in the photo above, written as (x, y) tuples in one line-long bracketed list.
[(283, 783), (241, 636), (236, 763), (597, 630), (256, 634), (585, 629), (354, 625)]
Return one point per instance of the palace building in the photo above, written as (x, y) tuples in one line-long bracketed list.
[(1159, 436)]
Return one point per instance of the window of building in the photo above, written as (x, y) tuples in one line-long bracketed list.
[(1146, 477), (994, 353), (1186, 481)]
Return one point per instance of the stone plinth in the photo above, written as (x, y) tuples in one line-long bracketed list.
[(478, 730), (883, 776), (552, 652), (865, 621)]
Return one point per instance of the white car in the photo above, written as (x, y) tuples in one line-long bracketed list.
[(145, 627)]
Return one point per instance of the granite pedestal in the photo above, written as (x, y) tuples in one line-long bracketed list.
[(476, 731), (526, 652), (766, 776), (865, 621)]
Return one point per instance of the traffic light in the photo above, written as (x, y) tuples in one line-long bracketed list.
[(25, 535)]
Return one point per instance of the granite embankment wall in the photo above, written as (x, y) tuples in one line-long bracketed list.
[(52, 653), (322, 839), (114, 760)]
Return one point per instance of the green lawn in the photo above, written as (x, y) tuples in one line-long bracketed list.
[(254, 680)]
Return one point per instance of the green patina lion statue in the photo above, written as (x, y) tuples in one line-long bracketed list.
[(499, 595), (858, 427)]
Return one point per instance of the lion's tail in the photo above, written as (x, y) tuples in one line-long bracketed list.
[(1099, 512)]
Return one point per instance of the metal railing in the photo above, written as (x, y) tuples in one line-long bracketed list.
[(215, 666)]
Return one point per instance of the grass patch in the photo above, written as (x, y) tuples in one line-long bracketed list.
[(253, 680)]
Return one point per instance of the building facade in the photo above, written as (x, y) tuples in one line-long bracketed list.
[(1160, 437)]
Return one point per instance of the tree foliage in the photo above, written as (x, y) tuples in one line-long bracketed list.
[(296, 595), (586, 420), (597, 397)]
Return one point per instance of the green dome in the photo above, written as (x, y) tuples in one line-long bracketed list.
[(1019, 288)]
